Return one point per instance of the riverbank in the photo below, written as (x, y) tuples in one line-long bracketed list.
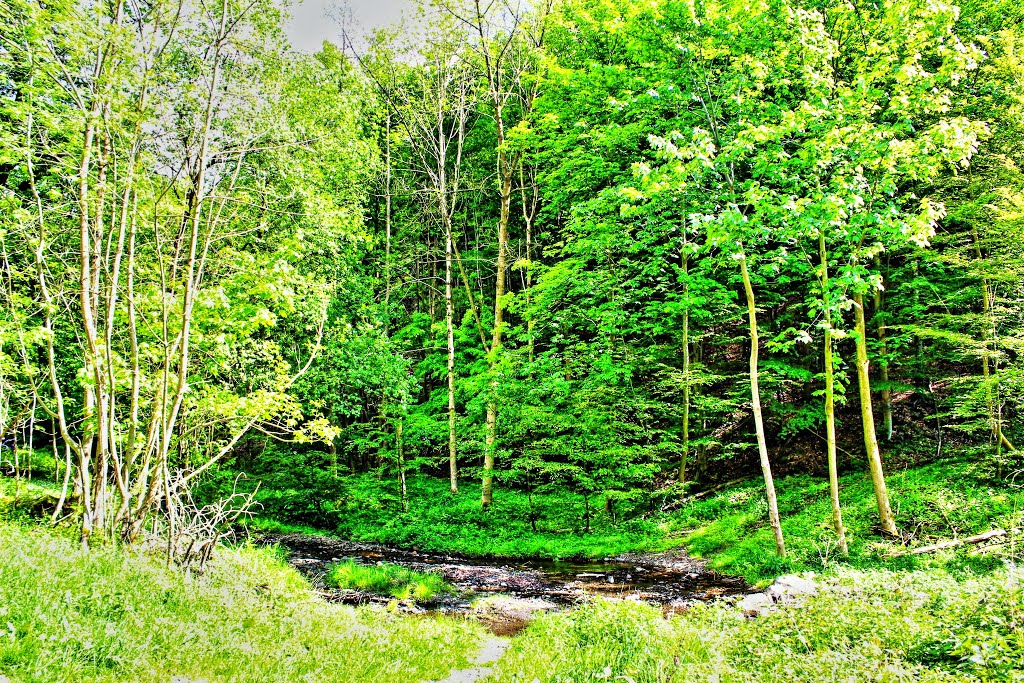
[(728, 527), (503, 594), (111, 616)]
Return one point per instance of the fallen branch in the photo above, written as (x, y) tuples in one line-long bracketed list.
[(671, 504), (714, 489), (995, 533)]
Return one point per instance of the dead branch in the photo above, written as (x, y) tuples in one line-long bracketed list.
[(953, 543)]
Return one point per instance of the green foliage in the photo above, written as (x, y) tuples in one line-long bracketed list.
[(387, 579), (369, 509), (941, 500), (863, 625), (113, 615)]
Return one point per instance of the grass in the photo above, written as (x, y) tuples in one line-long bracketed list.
[(113, 615), (440, 521), (942, 500), (955, 615), (387, 579), (863, 626)]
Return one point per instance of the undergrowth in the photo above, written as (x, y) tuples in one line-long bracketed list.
[(948, 499), (863, 626), (937, 501), (114, 615), (437, 520)]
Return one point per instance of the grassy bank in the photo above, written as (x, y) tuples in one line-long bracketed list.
[(937, 501), (863, 626), (437, 520), (110, 615), (729, 528)]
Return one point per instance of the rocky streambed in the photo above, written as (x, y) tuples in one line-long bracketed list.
[(506, 594)]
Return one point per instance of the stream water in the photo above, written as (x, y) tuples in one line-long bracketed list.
[(671, 579)]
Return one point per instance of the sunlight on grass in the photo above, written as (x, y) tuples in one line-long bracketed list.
[(387, 579), (112, 615)]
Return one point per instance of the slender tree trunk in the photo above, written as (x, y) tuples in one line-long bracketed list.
[(883, 366), (686, 376), (755, 398), (487, 486), (529, 500), (885, 515), (387, 208), (987, 335), (830, 406), (453, 471), (401, 465)]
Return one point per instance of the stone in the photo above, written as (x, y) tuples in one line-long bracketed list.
[(757, 603), (792, 588)]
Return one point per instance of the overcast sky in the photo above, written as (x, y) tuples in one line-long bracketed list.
[(314, 21)]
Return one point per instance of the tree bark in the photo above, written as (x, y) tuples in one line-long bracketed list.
[(830, 406), (883, 367), (885, 515), (755, 399), (686, 376), (487, 483), (401, 466), (453, 468)]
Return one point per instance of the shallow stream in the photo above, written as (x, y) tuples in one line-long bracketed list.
[(671, 579)]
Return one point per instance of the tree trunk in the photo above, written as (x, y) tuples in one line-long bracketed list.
[(453, 468), (487, 484), (987, 335), (686, 376), (401, 466), (830, 405), (755, 398), (888, 523), (883, 367), (387, 208)]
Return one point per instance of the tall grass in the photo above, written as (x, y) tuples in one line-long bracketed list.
[(387, 579), (109, 615), (863, 626)]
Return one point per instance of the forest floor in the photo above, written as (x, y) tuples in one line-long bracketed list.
[(940, 500), (953, 615)]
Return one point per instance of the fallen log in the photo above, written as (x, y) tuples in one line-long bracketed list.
[(995, 533)]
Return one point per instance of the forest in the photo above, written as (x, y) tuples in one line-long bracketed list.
[(731, 290)]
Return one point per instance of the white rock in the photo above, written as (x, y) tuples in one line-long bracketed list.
[(756, 602), (791, 587)]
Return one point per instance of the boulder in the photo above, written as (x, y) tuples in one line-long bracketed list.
[(786, 590), (792, 588), (755, 603)]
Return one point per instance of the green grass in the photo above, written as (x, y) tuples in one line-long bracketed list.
[(937, 501), (387, 579), (438, 520), (863, 626), (940, 500), (114, 615)]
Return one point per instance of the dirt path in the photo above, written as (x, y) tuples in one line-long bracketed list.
[(491, 652)]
